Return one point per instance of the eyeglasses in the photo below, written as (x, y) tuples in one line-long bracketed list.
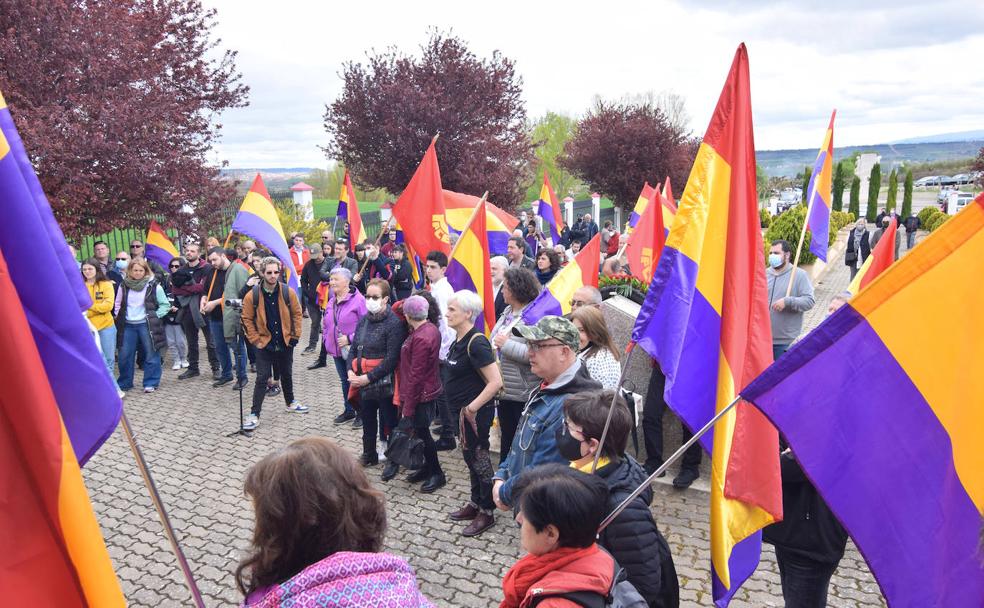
[(537, 347)]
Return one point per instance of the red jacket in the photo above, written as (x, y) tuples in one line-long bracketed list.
[(299, 261), (418, 374), (591, 573)]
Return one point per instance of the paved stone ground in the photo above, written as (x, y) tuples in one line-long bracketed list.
[(199, 471)]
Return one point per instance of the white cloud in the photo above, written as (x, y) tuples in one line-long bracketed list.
[(892, 69)]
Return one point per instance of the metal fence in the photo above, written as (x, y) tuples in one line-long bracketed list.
[(120, 239)]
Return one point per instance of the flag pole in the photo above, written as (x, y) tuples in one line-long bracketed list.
[(155, 497), (471, 219), (379, 238), (799, 247), (662, 468), (611, 407)]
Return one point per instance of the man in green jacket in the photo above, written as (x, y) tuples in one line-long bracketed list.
[(225, 284)]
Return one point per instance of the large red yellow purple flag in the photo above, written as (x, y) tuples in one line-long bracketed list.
[(57, 408), (347, 202), (420, 208), (818, 194), (706, 321), (458, 210), (469, 267), (257, 218), (882, 406)]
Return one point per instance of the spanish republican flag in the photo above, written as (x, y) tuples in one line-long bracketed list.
[(555, 298), (885, 416), (56, 411), (880, 259), (706, 321), (549, 209), (469, 267), (346, 201), (158, 245), (420, 209), (257, 218), (818, 193), (646, 241)]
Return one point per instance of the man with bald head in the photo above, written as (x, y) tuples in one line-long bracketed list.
[(586, 296)]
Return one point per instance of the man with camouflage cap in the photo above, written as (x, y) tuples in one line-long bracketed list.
[(553, 344)]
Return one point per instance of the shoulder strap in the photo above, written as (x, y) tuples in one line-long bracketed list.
[(290, 309), (468, 346), (585, 599)]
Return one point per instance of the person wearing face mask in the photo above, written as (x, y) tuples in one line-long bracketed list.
[(786, 313), (858, 247), (116, 271), (371, 362), (632, 538)]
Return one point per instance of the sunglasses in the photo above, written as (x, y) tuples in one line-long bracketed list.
[(272, 272), (374, 297), (135, 246), (121, 259), (175, 266)]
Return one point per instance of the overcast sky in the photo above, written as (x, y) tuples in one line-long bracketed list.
[(893, 70)]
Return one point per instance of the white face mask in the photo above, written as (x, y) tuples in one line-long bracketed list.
[(374, 306)]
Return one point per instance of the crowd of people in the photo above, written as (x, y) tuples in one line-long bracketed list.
[(417, 378)]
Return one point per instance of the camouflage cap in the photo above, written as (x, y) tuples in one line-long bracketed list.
[(548, 327)]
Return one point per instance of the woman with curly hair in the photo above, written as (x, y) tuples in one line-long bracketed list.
[(319, 534), (547, 265)]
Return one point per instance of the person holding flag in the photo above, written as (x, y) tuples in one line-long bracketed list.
[(786, 303)]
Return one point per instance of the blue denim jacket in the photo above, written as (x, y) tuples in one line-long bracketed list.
[(535, 441)]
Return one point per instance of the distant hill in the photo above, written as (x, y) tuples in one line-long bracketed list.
[(275, 178), (787, 163), (944, 138)]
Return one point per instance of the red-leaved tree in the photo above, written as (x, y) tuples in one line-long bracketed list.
[(389, 110), (619, 146), (116, 103)]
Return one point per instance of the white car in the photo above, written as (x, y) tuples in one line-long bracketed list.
[(929, 180)]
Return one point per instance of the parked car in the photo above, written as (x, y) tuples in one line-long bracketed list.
[(929, 180)]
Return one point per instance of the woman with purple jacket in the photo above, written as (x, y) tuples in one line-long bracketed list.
[(419, 386), (345, 307), (318, 535)]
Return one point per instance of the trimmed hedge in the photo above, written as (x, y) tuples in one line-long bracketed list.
[(839, 219), (936, 220), (925, 213), (788, 225), (765, 218)]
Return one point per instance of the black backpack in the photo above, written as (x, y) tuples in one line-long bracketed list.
[(621, 594)]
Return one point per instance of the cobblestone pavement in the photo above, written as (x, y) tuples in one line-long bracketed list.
[(199, 471)]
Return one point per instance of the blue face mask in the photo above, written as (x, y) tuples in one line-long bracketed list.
[(775, 260), (121, 265)]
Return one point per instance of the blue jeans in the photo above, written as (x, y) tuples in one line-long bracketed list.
[(107, 342), (134, 334), (342, 370), (223, 348), (779, 350)]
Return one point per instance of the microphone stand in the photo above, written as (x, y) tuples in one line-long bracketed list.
[(241, 430)]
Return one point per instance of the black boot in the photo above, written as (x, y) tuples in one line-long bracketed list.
[(435, 481), (390, 471), (369, 460), (418, 475)]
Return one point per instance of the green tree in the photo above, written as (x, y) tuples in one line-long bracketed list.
[(761, 182), (805, 185), (854, 206), (907, 195), (549, 135), (893, 190), (874, 187), (837, 188)]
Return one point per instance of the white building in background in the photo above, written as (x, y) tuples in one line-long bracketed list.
[(304, 198)]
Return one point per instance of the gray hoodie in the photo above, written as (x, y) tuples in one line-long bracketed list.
[(787, 325)]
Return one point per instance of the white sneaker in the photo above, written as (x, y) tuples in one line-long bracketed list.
[(252, 421), (121, 394), (177, 365), (381, 450), (295, 406), (149, 389), (184, 364)]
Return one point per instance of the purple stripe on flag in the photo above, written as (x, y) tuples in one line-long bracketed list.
[(878, 455), (83, 389), (459, 278), (544, 304), (342, 210), (681, 330), (155, 253), (633, 219), (546, 211), (264, 234), (819, 227), (742, 563), (49, 225)]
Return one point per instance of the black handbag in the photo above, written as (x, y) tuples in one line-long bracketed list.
[(405, 448)]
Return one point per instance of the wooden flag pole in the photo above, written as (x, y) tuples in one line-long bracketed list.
[(471, 219), (155, 497), (799, 247)]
